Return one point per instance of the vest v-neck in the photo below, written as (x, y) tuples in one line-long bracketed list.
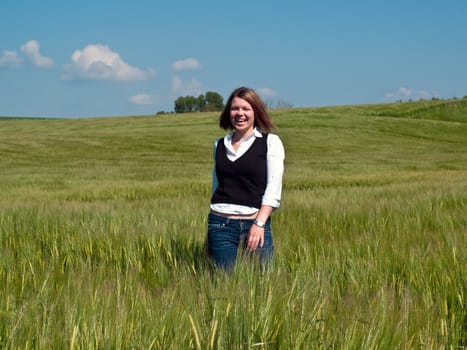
[(233, 155), (244, 154)]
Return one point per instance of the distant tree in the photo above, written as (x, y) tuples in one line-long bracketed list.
[(281, 104), (186, 104), (277, 104), (200, 103), (163, 112), (213, 102)]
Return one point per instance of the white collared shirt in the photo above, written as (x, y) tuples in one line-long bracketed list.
[(275, 170)]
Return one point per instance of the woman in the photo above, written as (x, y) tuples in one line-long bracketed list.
[(247, 181)]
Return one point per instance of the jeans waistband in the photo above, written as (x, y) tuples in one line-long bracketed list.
[(226, 219), (233, 216)]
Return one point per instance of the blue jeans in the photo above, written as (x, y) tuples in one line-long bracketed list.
[(226, 236)]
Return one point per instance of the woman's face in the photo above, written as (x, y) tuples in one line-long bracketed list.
[(242, 115)]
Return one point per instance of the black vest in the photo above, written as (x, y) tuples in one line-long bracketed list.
[(243, 181)]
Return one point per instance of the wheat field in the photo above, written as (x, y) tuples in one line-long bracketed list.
[(103, 221)]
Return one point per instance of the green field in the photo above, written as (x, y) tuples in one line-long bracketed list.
[(102, 224)]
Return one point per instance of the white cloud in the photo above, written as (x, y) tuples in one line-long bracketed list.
[(142, 99), (186, 64), (9, 58), (266, 92), (181, 88), (32, 52), (99, 62), (404, 93)]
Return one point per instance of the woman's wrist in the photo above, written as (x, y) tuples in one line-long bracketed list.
[(259, 223)]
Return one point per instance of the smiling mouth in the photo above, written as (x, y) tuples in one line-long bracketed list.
[(240, 120)]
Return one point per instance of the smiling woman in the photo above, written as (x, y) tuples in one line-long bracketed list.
[(247, 181)]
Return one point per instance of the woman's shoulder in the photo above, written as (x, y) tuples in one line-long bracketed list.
[(273, 138), (219, 140), (275, 145)]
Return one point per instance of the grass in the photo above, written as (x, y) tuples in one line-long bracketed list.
[(103, 220)]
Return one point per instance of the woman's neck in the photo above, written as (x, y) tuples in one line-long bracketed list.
[(241, 135)]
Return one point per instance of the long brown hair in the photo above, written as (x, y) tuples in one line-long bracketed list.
[(262, 119)]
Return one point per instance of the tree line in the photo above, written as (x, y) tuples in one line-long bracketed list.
[(213, 102), (210, 102)]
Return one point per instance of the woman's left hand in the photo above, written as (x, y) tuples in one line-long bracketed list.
[(255, 237)]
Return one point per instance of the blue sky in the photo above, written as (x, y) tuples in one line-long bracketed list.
[(109, 58)]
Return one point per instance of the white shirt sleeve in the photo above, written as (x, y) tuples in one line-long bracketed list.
[(275, 171)]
